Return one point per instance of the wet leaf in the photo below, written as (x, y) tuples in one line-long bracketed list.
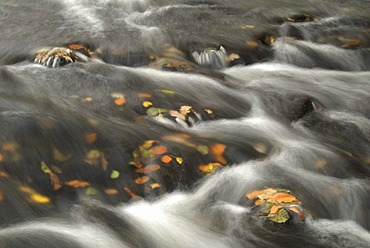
[(168, 92), (275, 209), (114, 174), (55, 181), (58, 156), (217, 150), (111, 191), (147, 104), (209, 168), (155, 185), (280, 217), (155, 111), (91, 191), (166, 159), (45, 168), (148, 169), (179, 160), (147, 144), (77, 184), (142, 180), (39, 198), (203, 149), (144, 95), (251, 44), (176, 114), (90, 138), (10, 146), (158, 150), (281, 197), (130, 193), (120, 101), (93, 157)]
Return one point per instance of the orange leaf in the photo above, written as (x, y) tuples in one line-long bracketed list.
[(90, 138), (120, 101), (254, 194), (166, 159), (144, 95), (209, 168), (1, 197), (251, 43), (275, 209), (111, 191), (282, 197), (77, 184), (3, 174), (217, 151), (1, 157), (130, 193), (142, 180), (148, 169), (55, 182), (10, 147), (158, 150)]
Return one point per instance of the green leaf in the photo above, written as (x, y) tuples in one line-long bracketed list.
[(280, 217), (203, 149), (45, 168), (114, 174), (155, 111), (91, 191), (168, 92)]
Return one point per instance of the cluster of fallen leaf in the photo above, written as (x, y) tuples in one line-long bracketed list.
[(276, 205)]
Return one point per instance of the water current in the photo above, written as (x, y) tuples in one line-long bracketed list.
[(142, 147)]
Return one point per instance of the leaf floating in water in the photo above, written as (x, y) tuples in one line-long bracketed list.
[(114, 174), (168, 92), (158, 150), (147, 144), (58, 156), (45, 168), (77, 184), (142, 180), (147, 104), (91, 191), (144, 95), (90, 138), (209, 168), (179, 160), (93, 157), (120, 101), (148, 169), (217, 150), (130, 193), (166, 159), (111, 191), (39, 198)]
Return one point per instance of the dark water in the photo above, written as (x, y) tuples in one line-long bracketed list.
[(292, 112)]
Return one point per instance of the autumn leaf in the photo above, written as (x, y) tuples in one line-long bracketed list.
[(275, 209), (155, 111), (93, 157), (147, 144), (45, 168), (120, 101), (91, 191), (147, 104), (39, 198), (1, 158), (176, 114), (90, 138), (281, 197), (104, 162), (3, 174), (217, 150), (10, 146), (166, 159), (144, 95), (142, 180), (55, 181), (168, 92), (149, 169), (58, 156), (88, 99), (179, 160), (130, 193), (280, 217), (203, 149), (155, 185), (158, 150), (1, 197), (111, 191), (114, 174), (254, 194), (209, 168), (77, 184), (251, 44), (185, 110)]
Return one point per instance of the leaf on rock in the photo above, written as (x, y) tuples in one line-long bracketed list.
[(166, 159), (217, 150), (155, 185), (179, 160), (120, 101), (254, 194), (142, 180), (148, 169), (185, 110), (275, 209), (155, 111), (209, 168), (77, 184), (280, 217)]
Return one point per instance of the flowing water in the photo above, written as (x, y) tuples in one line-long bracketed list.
[(293, 112)]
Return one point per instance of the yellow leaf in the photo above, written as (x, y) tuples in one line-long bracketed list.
[(39, 198), (179, 160), (147, 144), (203, 149), (58, 156), (209, 168), (88, 99), (185, 110), (45, 168), (114, 174), (168, 92), (92, 157), (155, 185), (147, 104), (166, 159)]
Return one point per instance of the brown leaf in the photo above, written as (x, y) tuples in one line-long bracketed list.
[(55, 182), (142, 180), (148, 169), (144, 95), (111, 191), (254, 194), (130, 193), (185, 110), (251, 44), (90, 138)]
